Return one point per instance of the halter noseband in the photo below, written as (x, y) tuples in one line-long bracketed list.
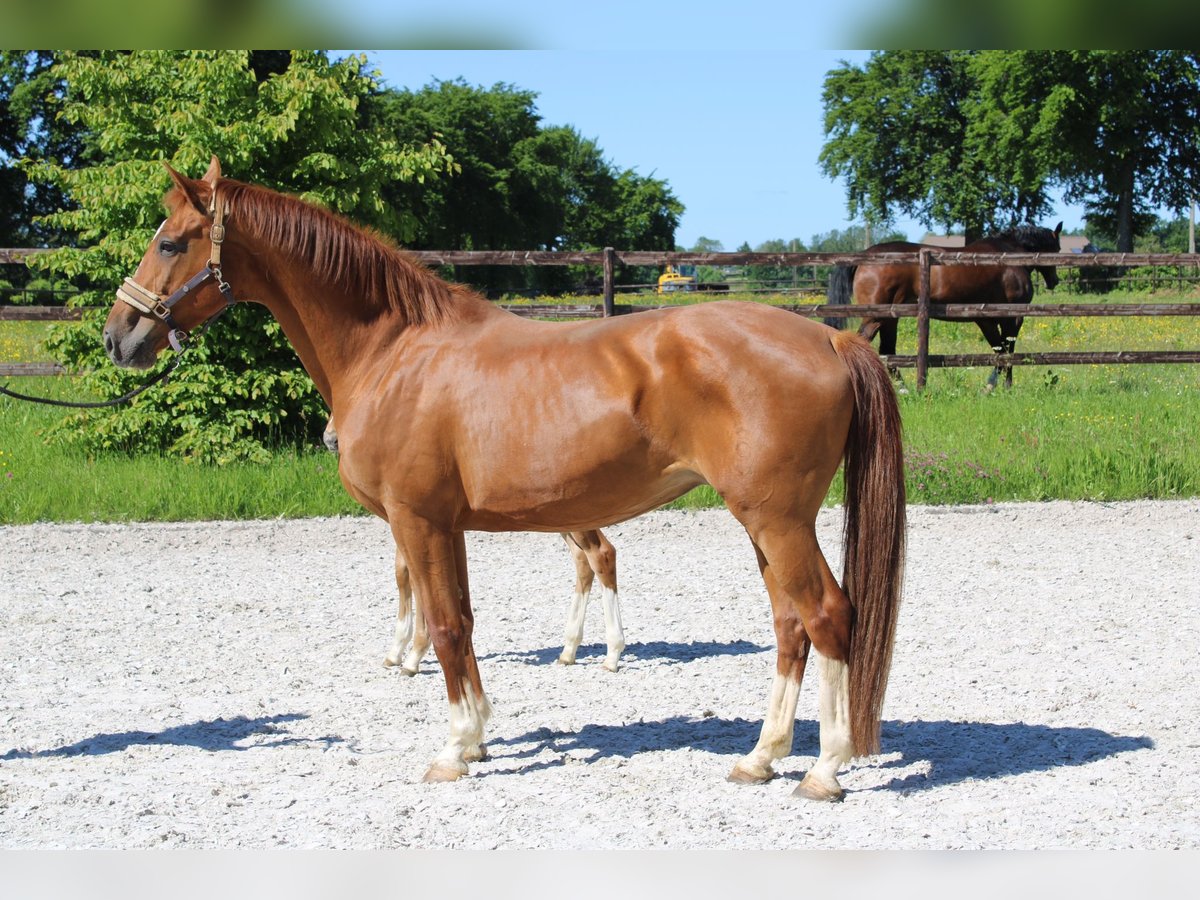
[(153, 304)]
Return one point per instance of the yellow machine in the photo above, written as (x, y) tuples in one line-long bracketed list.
[(677, 278)]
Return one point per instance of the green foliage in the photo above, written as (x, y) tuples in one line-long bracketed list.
[(1118, 130), (898, 133), (980, 137), (852, 239), (303, 129), (523, 186), (30, 128), (1025, 23), (775, 277)]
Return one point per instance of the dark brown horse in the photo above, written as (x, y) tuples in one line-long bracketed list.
[(883, 284), (454, 415)]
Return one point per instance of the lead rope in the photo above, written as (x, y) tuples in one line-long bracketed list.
[(124, 398), (179, 339)]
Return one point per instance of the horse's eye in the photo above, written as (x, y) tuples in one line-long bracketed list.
[(168, 248)]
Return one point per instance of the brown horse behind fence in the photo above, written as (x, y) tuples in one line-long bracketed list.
[(454, 415), (901, 283)]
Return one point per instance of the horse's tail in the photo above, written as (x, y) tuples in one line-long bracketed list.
[(873, 534), (841, 291)]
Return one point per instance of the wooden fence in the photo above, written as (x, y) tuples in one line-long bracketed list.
[(924, 310)]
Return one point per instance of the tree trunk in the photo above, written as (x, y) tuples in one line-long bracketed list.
[(1125, 209)]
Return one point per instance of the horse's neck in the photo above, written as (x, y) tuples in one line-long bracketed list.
[(330, 330)]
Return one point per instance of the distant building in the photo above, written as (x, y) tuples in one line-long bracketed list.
[(1070, 243)]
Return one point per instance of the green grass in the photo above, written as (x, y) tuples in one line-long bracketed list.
[(47, 482), (1070, 432)]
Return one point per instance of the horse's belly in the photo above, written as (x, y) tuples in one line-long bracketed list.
[(578, 504)]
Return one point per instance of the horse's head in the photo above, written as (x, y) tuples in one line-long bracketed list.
[(1035, 239), (177, 286)]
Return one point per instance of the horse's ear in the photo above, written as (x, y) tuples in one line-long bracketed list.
[(189, 189), (213, 175), (1057, 231)]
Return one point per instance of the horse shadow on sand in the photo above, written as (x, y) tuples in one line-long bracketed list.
[(668, 652), (952, 751), (213, 735)]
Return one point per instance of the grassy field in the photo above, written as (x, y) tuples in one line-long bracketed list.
[(1071, 432)]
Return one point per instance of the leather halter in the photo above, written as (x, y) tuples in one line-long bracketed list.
[(154, 304)]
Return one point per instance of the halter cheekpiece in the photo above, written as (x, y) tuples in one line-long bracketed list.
[(153, 304)]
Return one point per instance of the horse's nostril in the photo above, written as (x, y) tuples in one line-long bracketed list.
[(108, 342)]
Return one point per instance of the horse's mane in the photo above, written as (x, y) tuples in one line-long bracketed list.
[(359, 260), (1031, 238)]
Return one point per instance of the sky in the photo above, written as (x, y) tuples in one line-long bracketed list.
[(736, 132)]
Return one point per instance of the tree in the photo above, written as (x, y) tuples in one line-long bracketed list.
[(1119, 130), (522, 186), (851, 240), (897, 132), (979, 138), (302, 129), (30, 128), (778, 277)]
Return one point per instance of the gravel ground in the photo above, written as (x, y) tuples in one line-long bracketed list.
[(220, 685)]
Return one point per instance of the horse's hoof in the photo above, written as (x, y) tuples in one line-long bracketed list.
[(441, 772), (609, 666), (477, 753), (389, 662), (811, 789), (743, 774), (407, 672), (565, 660)]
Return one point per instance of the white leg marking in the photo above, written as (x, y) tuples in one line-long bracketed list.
[(821, 782), (404, 633), (420, 642), (613, 632), (775, 741), (573, 633), (467, 719)]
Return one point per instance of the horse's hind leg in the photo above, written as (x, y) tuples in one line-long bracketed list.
[(594, 556), (577, 610), (809, 608), (404, 614), (1009, 329), (868, 329), (995, 340), (410, 626), (420, 641), (887, 347)]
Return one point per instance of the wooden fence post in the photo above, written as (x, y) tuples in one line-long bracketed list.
[(610, 256), (923, 322)]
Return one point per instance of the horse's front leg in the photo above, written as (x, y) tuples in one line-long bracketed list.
[(437, 563)]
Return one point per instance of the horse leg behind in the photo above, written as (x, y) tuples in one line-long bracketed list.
[(992, 334), (1009, 329), (410, 626), (593, 555)]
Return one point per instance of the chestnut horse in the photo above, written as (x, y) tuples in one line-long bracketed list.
[(901, 283), (454, 415), (593, 554)]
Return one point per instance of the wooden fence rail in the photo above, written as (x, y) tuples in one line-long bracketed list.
[(924, 310)]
